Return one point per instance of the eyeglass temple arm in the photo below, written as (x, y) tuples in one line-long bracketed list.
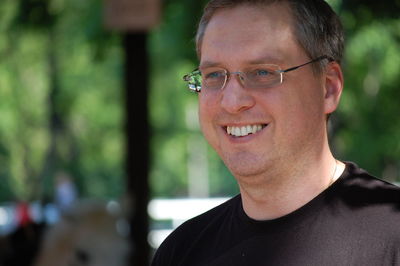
[(312, 61), (187, 76)]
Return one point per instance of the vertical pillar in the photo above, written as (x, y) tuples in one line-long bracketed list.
[(137, 136)]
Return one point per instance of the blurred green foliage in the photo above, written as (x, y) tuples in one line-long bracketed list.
[(61, 106), (60, 99), (368, 130)]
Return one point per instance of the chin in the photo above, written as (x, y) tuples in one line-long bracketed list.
[(245, 166)]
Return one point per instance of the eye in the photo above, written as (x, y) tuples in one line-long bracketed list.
[(262, 72), (214, 75)]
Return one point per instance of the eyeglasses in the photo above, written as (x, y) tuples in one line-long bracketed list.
[(254, 77)]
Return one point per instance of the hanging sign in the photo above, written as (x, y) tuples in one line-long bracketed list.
[(131, 15)]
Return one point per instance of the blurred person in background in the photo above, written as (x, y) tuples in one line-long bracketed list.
[(269, 77), (20, 247), (65, 192)]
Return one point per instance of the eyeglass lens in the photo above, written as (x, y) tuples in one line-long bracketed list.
[(261, 76)]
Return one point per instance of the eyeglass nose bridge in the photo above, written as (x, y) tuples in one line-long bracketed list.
[(241, 75)]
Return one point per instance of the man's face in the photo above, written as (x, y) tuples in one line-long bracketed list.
[(290, 117)]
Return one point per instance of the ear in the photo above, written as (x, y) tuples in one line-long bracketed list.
[(333, 86)]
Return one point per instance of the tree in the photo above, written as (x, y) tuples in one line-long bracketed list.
[(61, 99)]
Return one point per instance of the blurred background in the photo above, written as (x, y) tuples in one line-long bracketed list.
[(79, 90)]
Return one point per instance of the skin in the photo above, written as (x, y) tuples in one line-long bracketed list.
[(288, 163)]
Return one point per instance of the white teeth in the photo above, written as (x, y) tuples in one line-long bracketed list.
[(244, 130), (236, 131)]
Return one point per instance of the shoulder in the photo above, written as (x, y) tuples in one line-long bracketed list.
[(362, 188), (371, 201), (194, 232)]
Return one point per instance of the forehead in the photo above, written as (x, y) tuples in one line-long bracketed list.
[(249, 33)]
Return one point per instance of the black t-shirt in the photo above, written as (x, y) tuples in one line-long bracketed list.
[(356, 221)]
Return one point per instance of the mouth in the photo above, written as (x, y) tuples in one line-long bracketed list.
[(242, 131)]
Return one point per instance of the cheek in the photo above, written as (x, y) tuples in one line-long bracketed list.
[(202, 110), (202, 119), (205, 114), (208, 115), (208, 107), (305, 118), (306, 100)]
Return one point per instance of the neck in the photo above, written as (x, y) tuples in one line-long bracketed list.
[(288, 185)]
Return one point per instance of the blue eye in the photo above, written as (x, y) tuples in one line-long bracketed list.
[(214, 75), (262, 72)]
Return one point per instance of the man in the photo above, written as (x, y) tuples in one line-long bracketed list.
[(268, 79)]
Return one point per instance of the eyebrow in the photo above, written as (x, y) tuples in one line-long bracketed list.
[(261, 60), (207, 64)]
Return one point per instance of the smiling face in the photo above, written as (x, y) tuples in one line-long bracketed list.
[(255, 129)]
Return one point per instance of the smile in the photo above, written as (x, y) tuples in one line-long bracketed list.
[(244, 130)]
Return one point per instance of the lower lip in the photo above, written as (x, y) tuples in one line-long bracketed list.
[(244, 138)]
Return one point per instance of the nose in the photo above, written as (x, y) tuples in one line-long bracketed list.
[(235, 98)]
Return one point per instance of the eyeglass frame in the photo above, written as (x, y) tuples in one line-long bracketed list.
[(197, 89)]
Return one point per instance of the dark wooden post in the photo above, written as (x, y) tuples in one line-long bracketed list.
[(134, 18), (137, 137)]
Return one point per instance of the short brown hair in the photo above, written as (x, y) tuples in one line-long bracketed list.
[(317, 27)]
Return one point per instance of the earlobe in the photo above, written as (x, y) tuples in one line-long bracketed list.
[(333, 86)]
